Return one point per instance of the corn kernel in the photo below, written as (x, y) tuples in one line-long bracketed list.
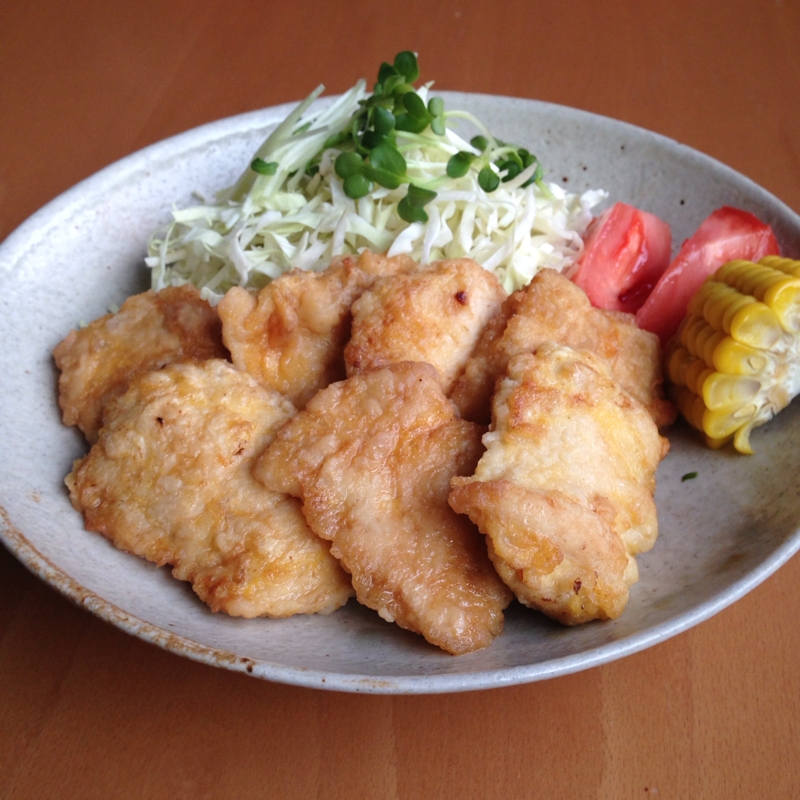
[(719, 424), (728, 391), (756, 325), (734, 358)]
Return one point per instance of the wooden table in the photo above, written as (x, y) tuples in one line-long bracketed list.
[(88, 711)]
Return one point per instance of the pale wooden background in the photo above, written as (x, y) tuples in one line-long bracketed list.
[(87, 711)]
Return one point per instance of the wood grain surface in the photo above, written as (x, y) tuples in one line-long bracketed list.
[(87, 711)]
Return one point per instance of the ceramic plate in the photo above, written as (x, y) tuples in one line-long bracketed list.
[(720, 534)]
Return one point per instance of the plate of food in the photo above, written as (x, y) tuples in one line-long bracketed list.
[(354, 394)]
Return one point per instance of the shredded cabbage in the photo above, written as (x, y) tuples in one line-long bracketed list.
[(267, 224)]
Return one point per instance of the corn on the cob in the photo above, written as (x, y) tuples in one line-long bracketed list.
[(735, 362)]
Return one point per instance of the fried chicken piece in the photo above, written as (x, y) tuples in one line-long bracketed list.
[(170, 479), (372, 458), (434, 315), (291, 336), (552, 308), (149, 331), (564, 491)]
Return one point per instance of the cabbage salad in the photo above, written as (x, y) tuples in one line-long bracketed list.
[(384, 171)]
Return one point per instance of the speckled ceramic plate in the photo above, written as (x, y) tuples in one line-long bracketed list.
[(720, 534)]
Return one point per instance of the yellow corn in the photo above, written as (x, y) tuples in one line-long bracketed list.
[(735, 361)]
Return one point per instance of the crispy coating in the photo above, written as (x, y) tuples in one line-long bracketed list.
[(170, 479), (564, 491), (149, 331), (291, 336), (552, 308), (434, 315), (372, 458)]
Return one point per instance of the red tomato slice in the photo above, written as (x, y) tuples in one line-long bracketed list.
[(726, 234), (625, 252)]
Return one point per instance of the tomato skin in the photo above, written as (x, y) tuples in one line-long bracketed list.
[(625, 252), (726, 234)]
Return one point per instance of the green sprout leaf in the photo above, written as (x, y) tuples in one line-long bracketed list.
[(392, 84), (401, 91), (436, 106), (383, 121), (458, 164), (382, 177), (688, 476), (388, 159), (436, 111), (511, 168), (347, 164), (411, 207), (385, 72), (415, 106), (419, 197), (406, 64), (264, 167), (479, 143), (371, 140), (488, 179), (411, 213), (405, 122), (416, 117), (356, 185)]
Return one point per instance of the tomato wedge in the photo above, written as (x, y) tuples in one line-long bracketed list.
[(626, 250), (727, 234)]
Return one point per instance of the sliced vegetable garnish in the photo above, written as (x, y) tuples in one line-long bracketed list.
[(385, 171), (626, 251), (726, 234)]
